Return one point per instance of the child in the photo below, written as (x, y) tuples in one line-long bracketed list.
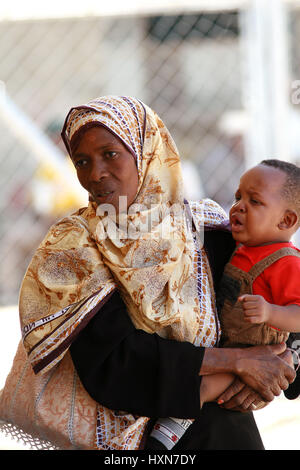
[(259, 297)]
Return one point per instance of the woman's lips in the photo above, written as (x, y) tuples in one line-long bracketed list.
[(103, 193), (102, 196)]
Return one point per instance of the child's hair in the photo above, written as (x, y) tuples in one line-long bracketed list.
[(291, 187)]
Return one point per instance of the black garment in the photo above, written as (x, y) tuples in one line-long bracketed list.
[(217, 429), (220, 429), (293, 391), (219, 246), (127, 369)]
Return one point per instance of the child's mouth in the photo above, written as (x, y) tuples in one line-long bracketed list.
[(236, 224)]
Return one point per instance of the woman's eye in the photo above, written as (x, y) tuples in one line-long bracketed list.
[(80, 163), (111, 154)]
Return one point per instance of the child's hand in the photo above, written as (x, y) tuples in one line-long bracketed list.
[(256, 308)]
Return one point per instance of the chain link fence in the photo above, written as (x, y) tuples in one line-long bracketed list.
[(188, 67)]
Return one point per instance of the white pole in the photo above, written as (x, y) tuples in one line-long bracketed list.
[(266, 92), (37, 142)]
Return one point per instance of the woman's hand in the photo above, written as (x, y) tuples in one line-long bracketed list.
[(240, 397), (262, 368), (287, 356)]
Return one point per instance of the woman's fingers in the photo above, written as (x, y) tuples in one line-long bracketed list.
[(263, 370)]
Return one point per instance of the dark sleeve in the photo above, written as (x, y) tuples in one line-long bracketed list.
[(127, 369), (219, 246), (294, 389)]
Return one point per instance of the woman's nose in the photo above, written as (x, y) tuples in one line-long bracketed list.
[(99, 170)]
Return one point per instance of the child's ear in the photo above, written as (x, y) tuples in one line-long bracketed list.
[(288, 221)]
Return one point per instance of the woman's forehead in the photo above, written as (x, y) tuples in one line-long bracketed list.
[(125, 117), (96, 135), (99, 133)]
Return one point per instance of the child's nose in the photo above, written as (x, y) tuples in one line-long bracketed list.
[(241, 206)]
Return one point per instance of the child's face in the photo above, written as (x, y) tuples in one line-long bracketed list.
[(259, 209)]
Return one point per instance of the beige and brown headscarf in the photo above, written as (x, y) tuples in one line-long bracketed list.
[(164, 281)]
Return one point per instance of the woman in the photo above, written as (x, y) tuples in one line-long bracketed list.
[(126, 285)]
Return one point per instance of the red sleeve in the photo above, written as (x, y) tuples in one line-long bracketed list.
[(283, 278)]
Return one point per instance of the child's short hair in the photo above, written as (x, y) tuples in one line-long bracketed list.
[(291, 187)]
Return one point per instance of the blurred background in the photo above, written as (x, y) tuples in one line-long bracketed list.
[(224, 75)]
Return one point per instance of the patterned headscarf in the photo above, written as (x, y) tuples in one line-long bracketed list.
[(121, 115), (165, 282)]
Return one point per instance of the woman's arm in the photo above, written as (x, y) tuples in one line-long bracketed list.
[(265, 369), (127, 369)]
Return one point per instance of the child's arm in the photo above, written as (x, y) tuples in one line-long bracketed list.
[(216, 387), (212, 386), (258, 310)]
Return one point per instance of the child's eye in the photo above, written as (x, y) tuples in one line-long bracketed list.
[(254, 201)]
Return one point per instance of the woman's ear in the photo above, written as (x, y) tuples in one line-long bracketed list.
[(289, 220)]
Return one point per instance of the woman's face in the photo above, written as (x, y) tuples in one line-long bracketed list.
[(105, 167)]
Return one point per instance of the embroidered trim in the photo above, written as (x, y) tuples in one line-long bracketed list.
[(168, 431)]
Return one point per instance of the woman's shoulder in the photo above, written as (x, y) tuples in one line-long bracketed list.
[(207, 204), (67, 229), (208, 213)]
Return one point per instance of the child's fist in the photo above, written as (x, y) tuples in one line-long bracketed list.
[(256, 308)]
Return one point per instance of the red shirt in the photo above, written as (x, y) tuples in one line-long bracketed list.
[(279, 284)]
